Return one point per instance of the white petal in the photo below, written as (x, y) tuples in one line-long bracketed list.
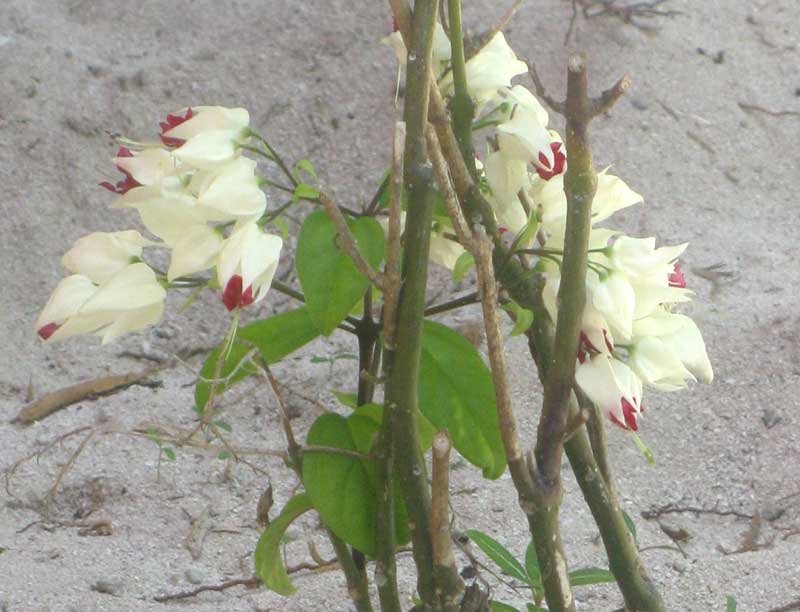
[(134, 287), (100, 255), (688, 346), (133, 320), (209, 119), (67, 298), (208, 149), (230, 191), (612, 195), (657, 365), (150, 166), (194, 252)]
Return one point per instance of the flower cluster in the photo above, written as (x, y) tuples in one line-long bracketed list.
[(201, 199), (630, 337)]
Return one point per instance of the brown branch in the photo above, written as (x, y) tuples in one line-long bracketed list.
[(66, 396), (446, 189), (347, 242), (557, 106), (440, 498), (391, 275), (760, 109)]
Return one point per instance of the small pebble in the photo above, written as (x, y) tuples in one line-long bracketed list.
[(196, 575), (109, 586), (771, 417)]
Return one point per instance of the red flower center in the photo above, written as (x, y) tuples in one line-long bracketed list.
[(128, 182), (630, 412), (233, 296), (677, 279), (47, 330), (559, 159), (174, 120)]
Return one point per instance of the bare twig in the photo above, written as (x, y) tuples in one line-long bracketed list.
[(446, 189), (391, 289), (65, 468), (440, 498), (348, 242), (760, 109), (66, 396), (541, 91)]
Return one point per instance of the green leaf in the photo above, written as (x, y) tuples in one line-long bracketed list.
[(304, 191), (169, 453), (498, 606), (499, 554), (283, 225), (331, 282), (631, 525), (532, 568), (275, 337), (730, 605), (590, 575), (347, 399), (527, 233), (306, 165), (456, 392), (342, 487), (532, 608), (523, 318), (223, 425), (464, 264), (643, 448), (223, 455), (269, 562)]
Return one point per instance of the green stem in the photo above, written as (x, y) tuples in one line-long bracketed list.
[(464, 300), (637, 588), (580, 185), (273, 155), (403, 363), (357, 585), (462, 107)]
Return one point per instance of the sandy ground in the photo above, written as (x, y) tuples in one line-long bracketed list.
[(703, 134)]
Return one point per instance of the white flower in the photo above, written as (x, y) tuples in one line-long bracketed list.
[(614, 298), (148, 166), (491, 69), (246, 265), (166, 210), (524, 138), (196, 250), (100, 255), (130, 300), (506, 178), (679, 336), (440, 54), (612, 195), (230, 191), (205, 135), (657, 365), (642, 263), (613, 387), (67, 298)]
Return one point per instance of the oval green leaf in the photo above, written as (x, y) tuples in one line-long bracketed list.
[(274, 337), (343, 487), (269, 563), (590, 575), (532, 568), (499, 554), (331, 282), (456, 392)]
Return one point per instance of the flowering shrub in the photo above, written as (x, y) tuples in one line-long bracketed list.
[(199, 196)]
